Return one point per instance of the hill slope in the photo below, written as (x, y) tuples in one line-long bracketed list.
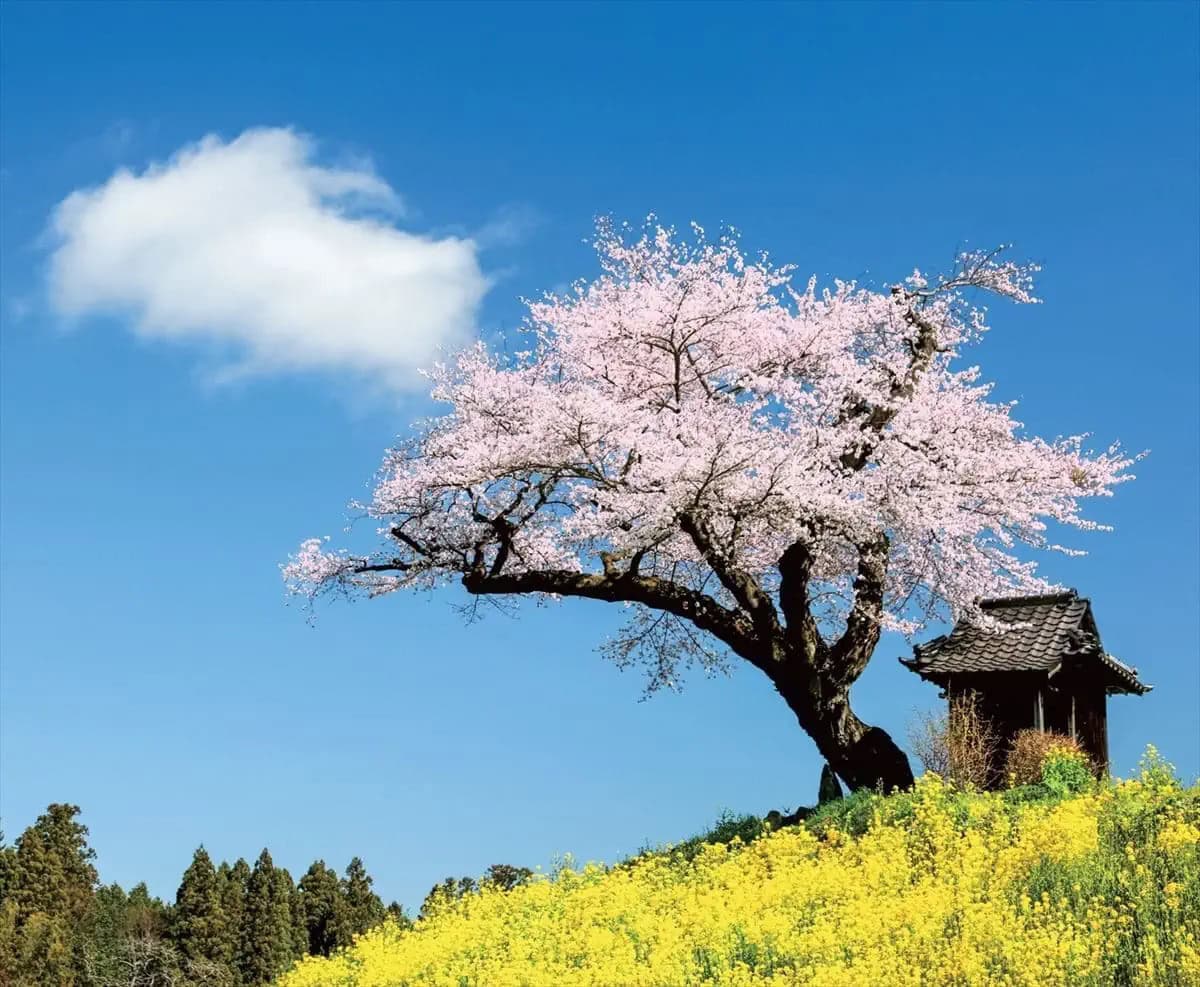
[(1058, 883)]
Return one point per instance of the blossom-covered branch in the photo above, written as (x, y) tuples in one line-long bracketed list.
[(791, 471)]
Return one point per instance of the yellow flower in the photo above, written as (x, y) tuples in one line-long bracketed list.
[(942, 888)]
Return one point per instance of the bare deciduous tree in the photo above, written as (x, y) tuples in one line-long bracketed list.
[(959, 743), (143, 959)]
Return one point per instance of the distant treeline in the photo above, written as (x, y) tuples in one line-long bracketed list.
[(231, 925)]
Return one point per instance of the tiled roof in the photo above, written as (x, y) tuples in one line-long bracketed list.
[(1126, 674), (1045, 630)]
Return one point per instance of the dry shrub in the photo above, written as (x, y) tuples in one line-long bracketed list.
[(927, 739), (1029, 750), (960, 744), (972, 741)]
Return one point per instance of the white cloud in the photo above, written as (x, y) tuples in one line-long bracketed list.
[(289, 264)]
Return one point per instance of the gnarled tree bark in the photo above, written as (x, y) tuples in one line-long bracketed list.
[(812, 676)]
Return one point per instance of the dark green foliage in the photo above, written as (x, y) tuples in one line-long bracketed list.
[(145, 914), (299, 926), (322, 907), (254, 948), (1025, 795), (502, 876), (397, 914), (53, 871), (198, 925), (290, 921), (851, 814), (506, 876), (8, 863), (730, 826), (449, 890), (108, 929), (110, 910), (232, 885), (830, 789), (363, 908), (50, 885), (230, 926), (727, 828), (36, 950), (281, 936), (267, 943), (128, 942)]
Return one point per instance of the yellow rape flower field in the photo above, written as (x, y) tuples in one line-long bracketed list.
[(1036, 886)]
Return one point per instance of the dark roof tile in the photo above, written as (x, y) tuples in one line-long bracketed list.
[(1041, 631)]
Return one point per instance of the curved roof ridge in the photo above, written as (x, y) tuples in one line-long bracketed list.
[(1033, 600), (1035, 634)]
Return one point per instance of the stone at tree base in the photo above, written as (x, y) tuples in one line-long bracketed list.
[(777, 820), (831, 788)]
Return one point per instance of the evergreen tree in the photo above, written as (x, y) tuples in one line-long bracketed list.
[(39, 951), (198, 927), (256, 962), (233, 882), (266, 941), (8, 863), (395, 911), (506, 876), (9, 945), (108, 927), (50, 884), (286, 901), (53, 872), (145, 915), (126, 941), (299, 924), (363, 908), (449, 890), (323, 908)]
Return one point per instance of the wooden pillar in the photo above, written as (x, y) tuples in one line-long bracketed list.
[(1091, 723)]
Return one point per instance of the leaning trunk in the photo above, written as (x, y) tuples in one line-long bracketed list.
[(863, 756)]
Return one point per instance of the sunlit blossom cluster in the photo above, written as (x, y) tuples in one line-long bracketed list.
[(691, 380)]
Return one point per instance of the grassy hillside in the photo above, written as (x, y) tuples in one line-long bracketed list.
[(1063, 882)]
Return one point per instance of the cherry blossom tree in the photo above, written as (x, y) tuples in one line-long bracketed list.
[(753, 471)]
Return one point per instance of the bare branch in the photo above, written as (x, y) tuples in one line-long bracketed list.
[(851, 652), (795, 571), (744, 587), (707, 614)]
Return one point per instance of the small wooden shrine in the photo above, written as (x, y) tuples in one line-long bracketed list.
[(1047, 670)]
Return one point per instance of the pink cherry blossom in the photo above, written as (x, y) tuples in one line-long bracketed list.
[(750, 467)]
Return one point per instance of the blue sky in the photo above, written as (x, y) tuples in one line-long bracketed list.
[(151, 669)]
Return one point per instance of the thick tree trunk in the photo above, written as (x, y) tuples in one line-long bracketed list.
[(863, 756), (813, 677)]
